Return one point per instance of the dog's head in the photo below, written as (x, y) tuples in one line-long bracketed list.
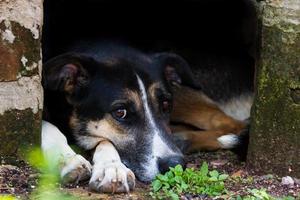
[(127, 102)]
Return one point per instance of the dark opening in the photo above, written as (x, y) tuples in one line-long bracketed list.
[(217, 36)]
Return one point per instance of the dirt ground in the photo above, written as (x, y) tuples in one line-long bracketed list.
[(20, 180)]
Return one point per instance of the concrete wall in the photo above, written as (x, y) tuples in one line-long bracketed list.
[(21, 97), (275, 129)]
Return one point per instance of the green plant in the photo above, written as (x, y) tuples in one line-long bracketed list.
[(255, 194), (178, 181), (260, 194), (48, 188), (7, 197)]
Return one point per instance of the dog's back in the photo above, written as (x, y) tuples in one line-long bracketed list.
[(228, 80)]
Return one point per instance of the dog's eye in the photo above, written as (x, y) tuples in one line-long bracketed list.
[(166, 107), (120, 114)]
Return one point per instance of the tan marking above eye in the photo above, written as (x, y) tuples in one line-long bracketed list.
[(134, 97), (103, 127)]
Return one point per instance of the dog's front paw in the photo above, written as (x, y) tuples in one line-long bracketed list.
[(114, 177), (75, 168)]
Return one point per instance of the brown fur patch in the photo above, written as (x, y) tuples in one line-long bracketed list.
[(152, 93), (195, 109), (201, 140), (152, 90), (104, 127), (98, 131)]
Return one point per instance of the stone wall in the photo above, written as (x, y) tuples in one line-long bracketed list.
[(21, 97), (275, 129)]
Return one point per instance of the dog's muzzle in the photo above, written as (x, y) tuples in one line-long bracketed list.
[(164, 164)]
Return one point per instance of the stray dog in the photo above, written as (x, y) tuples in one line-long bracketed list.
[(118, 102)]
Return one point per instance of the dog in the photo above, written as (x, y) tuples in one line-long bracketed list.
[(133, 111)]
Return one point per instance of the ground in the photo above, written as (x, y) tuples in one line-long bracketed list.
[(20, 180)]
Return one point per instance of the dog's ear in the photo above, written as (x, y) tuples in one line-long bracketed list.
[(67, 72), (176, 70)]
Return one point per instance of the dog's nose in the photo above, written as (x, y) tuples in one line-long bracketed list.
[(171, 161)]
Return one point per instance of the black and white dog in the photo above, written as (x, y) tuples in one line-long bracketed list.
[(116, 102)]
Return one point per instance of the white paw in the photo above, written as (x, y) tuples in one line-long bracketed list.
[(113, 177), (76, 168), (228, 141)]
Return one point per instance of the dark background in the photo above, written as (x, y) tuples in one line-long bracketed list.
[(217, 37), (207, 25)]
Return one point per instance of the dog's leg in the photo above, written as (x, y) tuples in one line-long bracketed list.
[(216, 130), (109, 173), (206, 140), (73, 167), (193, 108)]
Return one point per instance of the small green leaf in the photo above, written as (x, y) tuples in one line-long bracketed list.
[(178, 170), (169, 174), (213, 179), (239, 197), (184, 186), (178, 179), (178, 189), (166, 185), (223, 177), (156, 185), (173, 195), (189, 170), (214, 173), (289, 198), (162, 177), (204, 169)]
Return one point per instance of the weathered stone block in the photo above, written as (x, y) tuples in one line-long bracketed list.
[(21, 96), (275, 132)]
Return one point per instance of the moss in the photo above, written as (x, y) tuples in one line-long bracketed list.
[(23, 45), (30, 48), (275, 129), (295, 94), (20, 131)]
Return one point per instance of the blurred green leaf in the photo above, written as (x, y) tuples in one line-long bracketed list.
[(214, 173), (204, 169), (156, 185)]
